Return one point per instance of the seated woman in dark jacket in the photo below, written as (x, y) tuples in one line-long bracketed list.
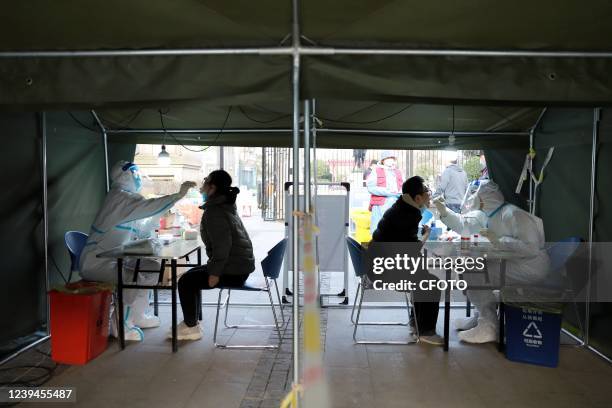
[(228, 247), (400, 223)]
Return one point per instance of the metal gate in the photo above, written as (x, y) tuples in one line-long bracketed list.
[(275, 172)]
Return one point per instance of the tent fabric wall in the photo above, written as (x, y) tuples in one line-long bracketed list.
[(76, 187), (566, 186), (601, 313), (76, 180), (566, 191), (505, 168), (22, 304)]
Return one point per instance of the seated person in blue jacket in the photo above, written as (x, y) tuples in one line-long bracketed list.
[(400, 223), (228, 247)]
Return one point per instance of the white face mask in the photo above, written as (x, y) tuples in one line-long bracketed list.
[(389, 163)]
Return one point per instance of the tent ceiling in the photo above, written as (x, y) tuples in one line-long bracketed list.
[(475, 24), (334, 115), (60, 83), (140, 24)]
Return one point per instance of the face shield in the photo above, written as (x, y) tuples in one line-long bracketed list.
[(471, 201), (136, 176)]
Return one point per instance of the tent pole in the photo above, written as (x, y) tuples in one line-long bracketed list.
[(600, 354), (170, 52), (425, 133), (297, 49), (263, 184), (531, 209), (307, 130), (314, 151), (28, 347), (453, 53), (531, 139), (295, 52), (596, 118), (45, 205), (105, 143), (316, 187)]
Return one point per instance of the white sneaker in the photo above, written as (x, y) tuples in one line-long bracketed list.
[(466, 323), (184, 332), (131, 333), (130, 330), (147, 321), (484, 332), (433, 339)]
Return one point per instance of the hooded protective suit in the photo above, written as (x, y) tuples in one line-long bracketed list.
[(125, 215), (514, 229)]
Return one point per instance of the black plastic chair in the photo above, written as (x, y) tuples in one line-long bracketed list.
[(356, 252)]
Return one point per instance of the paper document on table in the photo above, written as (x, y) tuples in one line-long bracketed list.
[(142, 247)]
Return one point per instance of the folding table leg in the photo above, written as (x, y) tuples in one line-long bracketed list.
[(155, 302), (174, 342), (447, 310), (120, 305)]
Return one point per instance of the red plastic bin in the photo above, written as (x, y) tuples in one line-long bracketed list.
[(79, 322)]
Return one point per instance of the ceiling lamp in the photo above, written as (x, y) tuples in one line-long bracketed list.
[(163, 158)]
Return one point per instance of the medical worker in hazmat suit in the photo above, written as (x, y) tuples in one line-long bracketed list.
[(124, 216), (506, 226)]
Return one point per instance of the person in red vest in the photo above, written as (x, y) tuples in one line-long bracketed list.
[(385, 186)]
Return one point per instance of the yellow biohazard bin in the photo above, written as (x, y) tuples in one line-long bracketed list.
[(362, 219)]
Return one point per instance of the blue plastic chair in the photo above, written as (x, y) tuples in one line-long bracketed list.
[(356, 252), (75, 242), (355, 249), (561, 252), (271, 266)]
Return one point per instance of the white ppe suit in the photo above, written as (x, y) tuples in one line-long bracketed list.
[(515, 230), (125, 215)]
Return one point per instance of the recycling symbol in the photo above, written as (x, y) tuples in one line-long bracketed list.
[(532, 331)]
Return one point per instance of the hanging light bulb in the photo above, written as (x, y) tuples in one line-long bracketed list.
[(163, 158)]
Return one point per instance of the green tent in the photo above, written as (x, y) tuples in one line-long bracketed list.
[(397, 74)]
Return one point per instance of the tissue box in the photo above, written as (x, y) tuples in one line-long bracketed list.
[(190, 234)]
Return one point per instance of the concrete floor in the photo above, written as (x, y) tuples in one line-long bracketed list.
[(198, 375), (468, 375)]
